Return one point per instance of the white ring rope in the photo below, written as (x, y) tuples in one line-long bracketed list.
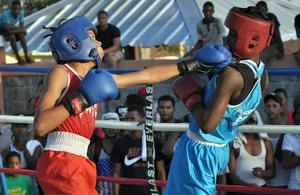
[(163, 126)]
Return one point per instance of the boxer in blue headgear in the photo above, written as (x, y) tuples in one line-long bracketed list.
[(68, 106), (67, 44)]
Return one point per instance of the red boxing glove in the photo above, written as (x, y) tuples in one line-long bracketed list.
[(189, 89)]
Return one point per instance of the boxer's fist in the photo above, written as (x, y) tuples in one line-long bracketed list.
[(216, 57), (189, 89), (211, 58), (97, 86)]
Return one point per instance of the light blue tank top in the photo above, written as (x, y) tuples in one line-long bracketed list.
[(234, 115)]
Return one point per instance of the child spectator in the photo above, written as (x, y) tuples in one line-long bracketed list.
[(17, 184), (28, 149)]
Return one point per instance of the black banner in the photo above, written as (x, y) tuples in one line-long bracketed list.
[(150, 141)]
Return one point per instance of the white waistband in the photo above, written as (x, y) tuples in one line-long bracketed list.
[(200, 140), (67, 142)]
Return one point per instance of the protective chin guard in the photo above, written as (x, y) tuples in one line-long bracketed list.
[(252, 34), (70, 41)]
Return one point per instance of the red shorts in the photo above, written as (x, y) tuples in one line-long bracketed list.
[(66, 173)]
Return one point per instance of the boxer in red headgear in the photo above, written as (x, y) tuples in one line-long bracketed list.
[(219, 107), (248, 36)]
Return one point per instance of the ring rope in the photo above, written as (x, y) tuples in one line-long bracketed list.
[(163, 126), (271, 71), (160, 183)]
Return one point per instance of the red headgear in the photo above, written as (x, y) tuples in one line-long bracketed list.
[(252, 34)]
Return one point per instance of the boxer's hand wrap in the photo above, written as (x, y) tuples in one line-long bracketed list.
[(191, 65)]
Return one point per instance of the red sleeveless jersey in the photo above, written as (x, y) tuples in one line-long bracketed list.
[(82, 124)]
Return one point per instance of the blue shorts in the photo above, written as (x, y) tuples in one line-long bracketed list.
[(195, 167)]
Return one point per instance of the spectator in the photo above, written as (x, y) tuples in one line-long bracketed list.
[(29, 149), (297, 25), (5, 136), (102, 148), (166, 109), (17, 184), (291, 150), (273, 106), (109, 35), (276, 46), (286, 114), (135, 99), (126, 157), (13, 30), (273, 109), (251, 158), (210, 29), (131, 99)]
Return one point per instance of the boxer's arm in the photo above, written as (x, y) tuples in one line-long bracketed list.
[(149, 75), (209, 59), (48, 115), (229, 85)]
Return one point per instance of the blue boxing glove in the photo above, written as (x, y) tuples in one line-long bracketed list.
[(213, 57), (97, 86), (208, 59)]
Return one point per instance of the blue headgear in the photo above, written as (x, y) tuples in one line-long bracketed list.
[(70, 41)]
